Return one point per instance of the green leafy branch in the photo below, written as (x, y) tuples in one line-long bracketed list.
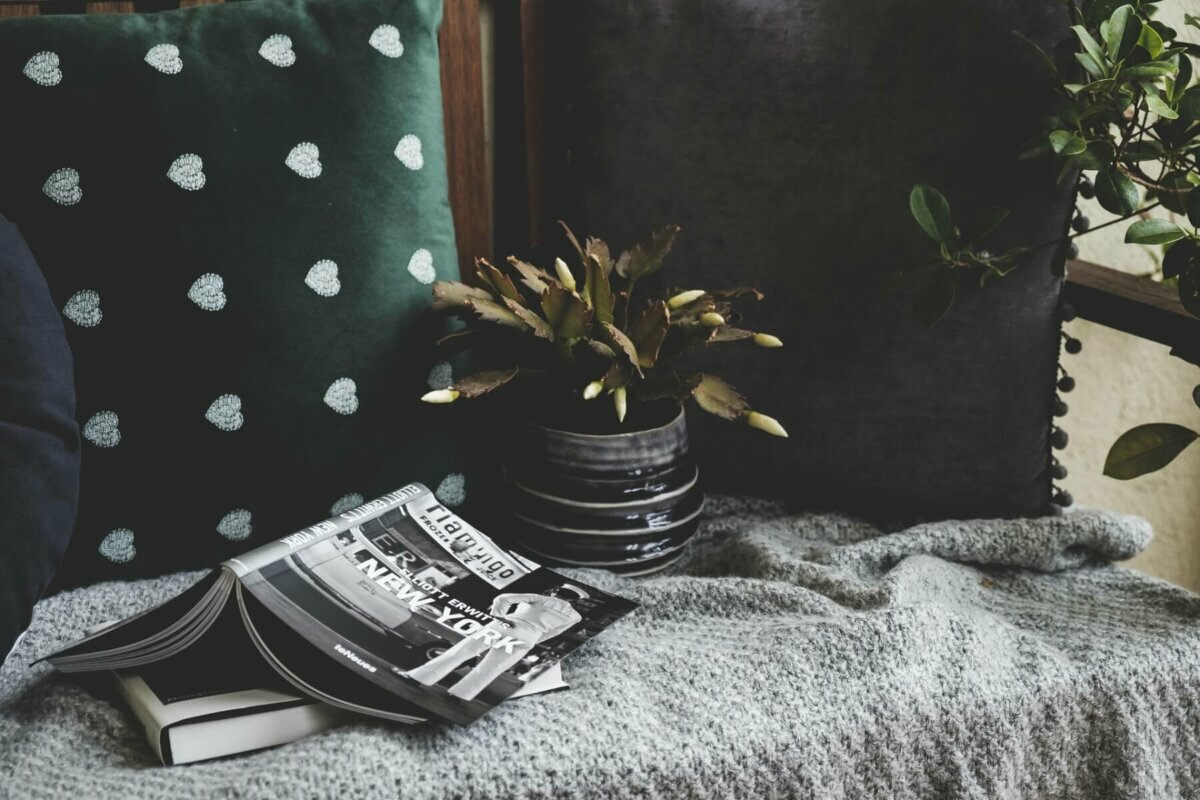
[(1128, 125)]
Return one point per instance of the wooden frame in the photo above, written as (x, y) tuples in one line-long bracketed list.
[(462, 101)]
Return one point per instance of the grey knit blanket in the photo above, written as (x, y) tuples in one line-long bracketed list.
[(790, 656)]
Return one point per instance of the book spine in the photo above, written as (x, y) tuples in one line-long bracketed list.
[(260, 557)]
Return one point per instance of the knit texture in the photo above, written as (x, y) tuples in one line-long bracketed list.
[(789, 656)]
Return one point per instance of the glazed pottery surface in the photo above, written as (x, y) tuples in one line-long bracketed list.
[(628, 502)]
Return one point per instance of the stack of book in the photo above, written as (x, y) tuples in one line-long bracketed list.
[(397, 609)]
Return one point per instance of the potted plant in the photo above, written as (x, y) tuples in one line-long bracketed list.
[(600, 472)]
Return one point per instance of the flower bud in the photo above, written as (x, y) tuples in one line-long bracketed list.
[(440, 396), (619, 403), (592, 390), (712, 319), (767, 424), (564, 274), (683, 298), (767, 340)]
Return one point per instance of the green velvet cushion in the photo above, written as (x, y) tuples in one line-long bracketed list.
[(239, 209)]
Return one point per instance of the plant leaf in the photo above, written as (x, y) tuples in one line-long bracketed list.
[(648, 330), (1066, 143), (1090, 46), (540, 326), (1145, 449), (501, 283), (1150, 70), (595, 248), (1153, 231), (1091, 65), (669, 384), (537, 279), (452, 294), (1159, 106), (622, 343), (716, 396), (1181, 257), (491, 311), (645, 259), (566, 313), (1124, 27), (1115, 192), (597, 291), (601, 349), (458, 340), (484, 381), (571, 237), (726, 333), (1150, 39), (932, 212)]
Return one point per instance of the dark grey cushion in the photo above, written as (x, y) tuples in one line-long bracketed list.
[(784, 137), (39, 440)]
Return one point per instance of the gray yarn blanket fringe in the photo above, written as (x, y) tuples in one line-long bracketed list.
[(789, 656)]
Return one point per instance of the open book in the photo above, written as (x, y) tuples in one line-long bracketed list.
[(397, 609)]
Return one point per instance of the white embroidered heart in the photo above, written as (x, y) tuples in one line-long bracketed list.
[(63, 187), (322, 278), (345, 503), (278, 50), (83, 308), (208, 292), (226, 412), (420, 266), (341, 396), (452, 491), (43, 69), (441, 376), (165, 58), (386, 39), (235, 525), (103, 429), (118, 546), (409, 152), (305, 160), (187, 172)]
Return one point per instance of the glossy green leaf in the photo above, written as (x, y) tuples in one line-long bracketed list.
[(1090, 46), (1099, 155), (1181, 257), (1124, 27), (1175, 200), (1144, 150), (1193, 209), (1116, 193), (1091, 65), (1159, 106), (1153, 231), (1066, 143), (1146, 449), (1150, 70), (1151, 40), (932, 212), (1177, 86)]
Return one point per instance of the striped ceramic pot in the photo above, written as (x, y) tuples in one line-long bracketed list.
[(627, 502)]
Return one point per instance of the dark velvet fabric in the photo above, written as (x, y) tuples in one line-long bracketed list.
[(39, 440), (784, 138), (214, 375)]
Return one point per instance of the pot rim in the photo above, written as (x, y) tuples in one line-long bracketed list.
[(674, 420)]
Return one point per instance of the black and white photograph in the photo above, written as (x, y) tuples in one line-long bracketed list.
[(599, 399)]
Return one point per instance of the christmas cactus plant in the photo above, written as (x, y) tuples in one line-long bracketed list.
[(585, 332)]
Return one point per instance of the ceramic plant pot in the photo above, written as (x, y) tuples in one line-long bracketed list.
[(627, 501)]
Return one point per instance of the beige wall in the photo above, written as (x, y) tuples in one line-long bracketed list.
[(1122, 381)]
